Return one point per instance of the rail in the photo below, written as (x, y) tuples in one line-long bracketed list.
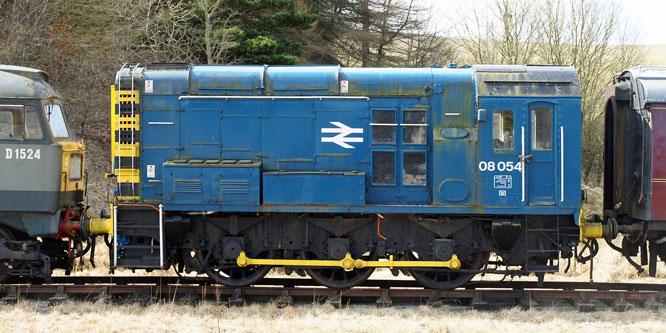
[(584, 296)]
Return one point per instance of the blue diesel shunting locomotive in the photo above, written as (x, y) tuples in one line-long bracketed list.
[(229, 170)]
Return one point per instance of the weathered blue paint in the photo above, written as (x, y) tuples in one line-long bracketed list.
[(309, 188), (287, 119), (194, 183)]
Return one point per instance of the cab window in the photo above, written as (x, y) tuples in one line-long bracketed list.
[(19, 122), (414, 127), (383, 126), (414, 168), (503, 130), (383, 168), (542, 123), (56, 121)]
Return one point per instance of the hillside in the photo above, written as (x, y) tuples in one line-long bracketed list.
[(656, 55)]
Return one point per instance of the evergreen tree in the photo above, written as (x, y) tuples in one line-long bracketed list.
[(377, 33), (268, 31)]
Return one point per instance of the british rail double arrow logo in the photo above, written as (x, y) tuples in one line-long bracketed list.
[(342, 138)]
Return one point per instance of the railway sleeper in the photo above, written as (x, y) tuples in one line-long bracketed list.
[(583, 304), (237, 298), (652, 303), (284, 300), (190, 297), (334, 299), (526, 302), (104, 297), (11, 296), (385, 300), (144, 298), (620, 304), (479, 302), (59, 297)]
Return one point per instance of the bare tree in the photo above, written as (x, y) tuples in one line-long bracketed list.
[(591, 36), (365, 33), (218, 37), (164, 26), (474, 35), (425, 45), (507, 34), (174, 31), (23, 30)]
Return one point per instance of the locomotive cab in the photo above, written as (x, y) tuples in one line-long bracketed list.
[(42, 179), (25, 140)]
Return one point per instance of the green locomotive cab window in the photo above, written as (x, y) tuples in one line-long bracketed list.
[(75, 170), (33, 131), (503, 130), (414, 168), (8, 129), (56, 121), (414, 127), (542, 133), (383, 168), (383, 126), (19, 122)]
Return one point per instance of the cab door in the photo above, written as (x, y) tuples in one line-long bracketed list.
[(499, 165), (399, 156), (539, 156)]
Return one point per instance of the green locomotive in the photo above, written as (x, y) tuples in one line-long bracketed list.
[(42, 180)]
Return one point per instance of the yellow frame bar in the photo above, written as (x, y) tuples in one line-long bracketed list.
[(453, 263), (348, 262)]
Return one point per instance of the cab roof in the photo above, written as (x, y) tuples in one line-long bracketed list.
[(25, 83), (651, 83), (528, 80)]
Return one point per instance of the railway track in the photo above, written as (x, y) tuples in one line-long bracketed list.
[(583, 296)]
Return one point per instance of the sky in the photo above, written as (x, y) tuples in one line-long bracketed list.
[(648, 14)]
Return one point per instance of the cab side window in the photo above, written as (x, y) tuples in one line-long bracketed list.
[(7, 124), (383, 168), (383, 126), (18, 122), (33, 131), (503, 130), (414, 168), (56, 121), (414, 127), (542, 128)]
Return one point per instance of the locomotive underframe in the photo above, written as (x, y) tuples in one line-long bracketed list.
[(29, 257), (212, 243)]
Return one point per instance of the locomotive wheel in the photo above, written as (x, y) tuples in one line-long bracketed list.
[(7, 265), (230, 274), (339, 278), (448, 279)]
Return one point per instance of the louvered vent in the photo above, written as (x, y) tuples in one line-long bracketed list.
[(187, 186), (234, 187)]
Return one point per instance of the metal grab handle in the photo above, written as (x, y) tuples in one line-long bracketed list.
[(526, 158)]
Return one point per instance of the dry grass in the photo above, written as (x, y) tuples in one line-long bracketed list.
[(74, 316)]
